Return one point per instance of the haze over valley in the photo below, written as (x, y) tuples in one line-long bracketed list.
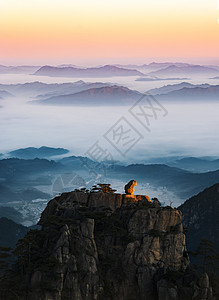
[(45, 116)]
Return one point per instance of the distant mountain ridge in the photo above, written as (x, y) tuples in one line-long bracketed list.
[(5, 94), (155, 78), (81, 93), (29, 182), (175, 87), (185, 70), (11, 213), (195, 164), (153, 66), (37, 88), (107, 95), (11, 232), (105, 71), (192, 93), (42, 152), (182, 182), (8, 195), (31, 173), (18, 69)]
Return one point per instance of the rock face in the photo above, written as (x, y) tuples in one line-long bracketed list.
[(97, 246)]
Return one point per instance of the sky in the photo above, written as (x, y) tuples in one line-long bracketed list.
[(103, 31)]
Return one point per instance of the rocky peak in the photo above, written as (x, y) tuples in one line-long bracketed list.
[(109, 246)]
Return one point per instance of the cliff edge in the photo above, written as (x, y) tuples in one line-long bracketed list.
[(106, 246)]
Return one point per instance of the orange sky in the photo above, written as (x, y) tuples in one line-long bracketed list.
[(68, 31)]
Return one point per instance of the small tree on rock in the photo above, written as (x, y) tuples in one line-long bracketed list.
[(103, 187)]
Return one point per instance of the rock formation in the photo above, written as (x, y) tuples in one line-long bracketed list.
[(99, 246), (130, 187)]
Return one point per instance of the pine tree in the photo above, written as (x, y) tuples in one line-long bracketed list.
[(208, 253), (103, 187), (4, 255), (27, 251)]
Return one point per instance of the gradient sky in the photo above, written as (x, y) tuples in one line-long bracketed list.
[(97, 31)]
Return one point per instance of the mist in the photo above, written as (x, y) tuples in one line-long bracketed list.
[(188, 129)]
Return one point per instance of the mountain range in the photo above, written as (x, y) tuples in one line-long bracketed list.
[(18, 69), (154, 66), (11, 232), (11, 194), (42, 152), (155, 78), (107, 95), (175, 87), (99, 93), (5, 94), (181, 182), (41, 89), (11, 213), (195, 164), (174, 70), (210, 93), (153, 69), (105, 71), (120, 95), (26, 174)]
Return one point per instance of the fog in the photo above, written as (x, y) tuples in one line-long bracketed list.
[(188, 129)]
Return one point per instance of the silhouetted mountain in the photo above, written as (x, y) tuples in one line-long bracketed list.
[(8, 195), (11, 232), (154, 171), (175, 87), (45, 90), (173, 70), (69, 65), (153, 66), (182, 182), (21, 174), (105, 71), (42, 152), (18, 69), (196, 164), (200, 215), (192, 94), (154, 78), (14, 167), (158, 65), (5, 94), (108, 95), (11, 213), (76, 162)]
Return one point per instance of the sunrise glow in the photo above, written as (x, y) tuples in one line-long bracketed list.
[(41, 31)]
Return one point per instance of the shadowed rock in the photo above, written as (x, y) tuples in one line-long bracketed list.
[(96, 245)]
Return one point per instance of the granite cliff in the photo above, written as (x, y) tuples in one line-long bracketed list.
[(105, 246)]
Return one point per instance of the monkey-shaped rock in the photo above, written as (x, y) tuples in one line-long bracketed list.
[(130, 187)]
